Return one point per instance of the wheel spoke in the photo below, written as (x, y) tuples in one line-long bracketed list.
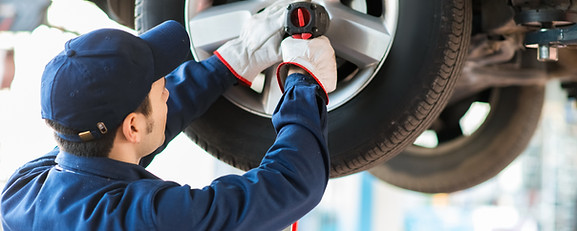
[(213, 26), (271, 93), (356, 37)]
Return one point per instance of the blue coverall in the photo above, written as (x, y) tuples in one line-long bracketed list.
[(62, 191)]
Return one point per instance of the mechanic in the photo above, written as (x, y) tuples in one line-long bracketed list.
[(107, 98)]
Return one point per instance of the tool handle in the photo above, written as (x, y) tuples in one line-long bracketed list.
[(293, 227)]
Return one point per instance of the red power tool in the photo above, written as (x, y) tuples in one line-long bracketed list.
[(306, 20)]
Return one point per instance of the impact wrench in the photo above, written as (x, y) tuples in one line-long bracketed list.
[(305, 20)]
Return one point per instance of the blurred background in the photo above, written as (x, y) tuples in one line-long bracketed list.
[(536, 192)]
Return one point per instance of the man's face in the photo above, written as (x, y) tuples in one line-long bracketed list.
[(157, 119)]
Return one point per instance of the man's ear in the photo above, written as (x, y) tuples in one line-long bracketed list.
[(130, 129)]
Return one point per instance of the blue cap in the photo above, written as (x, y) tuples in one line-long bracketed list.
[(104, 75)]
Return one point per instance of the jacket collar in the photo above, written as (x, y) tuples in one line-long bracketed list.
[(103, 167)]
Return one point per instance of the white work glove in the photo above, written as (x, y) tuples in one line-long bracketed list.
[(257, 46), (315, 56)]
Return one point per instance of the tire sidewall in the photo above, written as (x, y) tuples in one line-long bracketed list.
[(394, 109)]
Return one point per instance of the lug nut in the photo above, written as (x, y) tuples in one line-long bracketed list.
[(547, 53)]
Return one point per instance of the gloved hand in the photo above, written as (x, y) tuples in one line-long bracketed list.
[(316, 56), (257, 46)]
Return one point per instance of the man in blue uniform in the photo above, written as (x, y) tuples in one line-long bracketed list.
[(114, 100)]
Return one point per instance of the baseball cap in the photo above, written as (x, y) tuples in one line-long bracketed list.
[(104, 75)]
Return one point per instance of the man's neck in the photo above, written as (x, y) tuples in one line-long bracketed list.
[(124, 154)]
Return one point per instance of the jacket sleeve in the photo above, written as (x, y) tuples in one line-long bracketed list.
[(193, 87), (289, 182)]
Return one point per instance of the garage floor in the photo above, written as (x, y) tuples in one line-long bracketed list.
[(536, 192)]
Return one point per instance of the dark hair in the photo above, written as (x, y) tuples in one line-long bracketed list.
[(95, 148)]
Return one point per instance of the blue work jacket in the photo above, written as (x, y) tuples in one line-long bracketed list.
[(63, 191)]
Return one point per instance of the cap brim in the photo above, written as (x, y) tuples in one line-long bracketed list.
[(170, 46)]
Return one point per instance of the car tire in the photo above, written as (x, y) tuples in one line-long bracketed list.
[(466, 161), (149, 13), (405, 96)]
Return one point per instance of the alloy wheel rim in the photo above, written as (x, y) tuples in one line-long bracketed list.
[(361, 42)]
